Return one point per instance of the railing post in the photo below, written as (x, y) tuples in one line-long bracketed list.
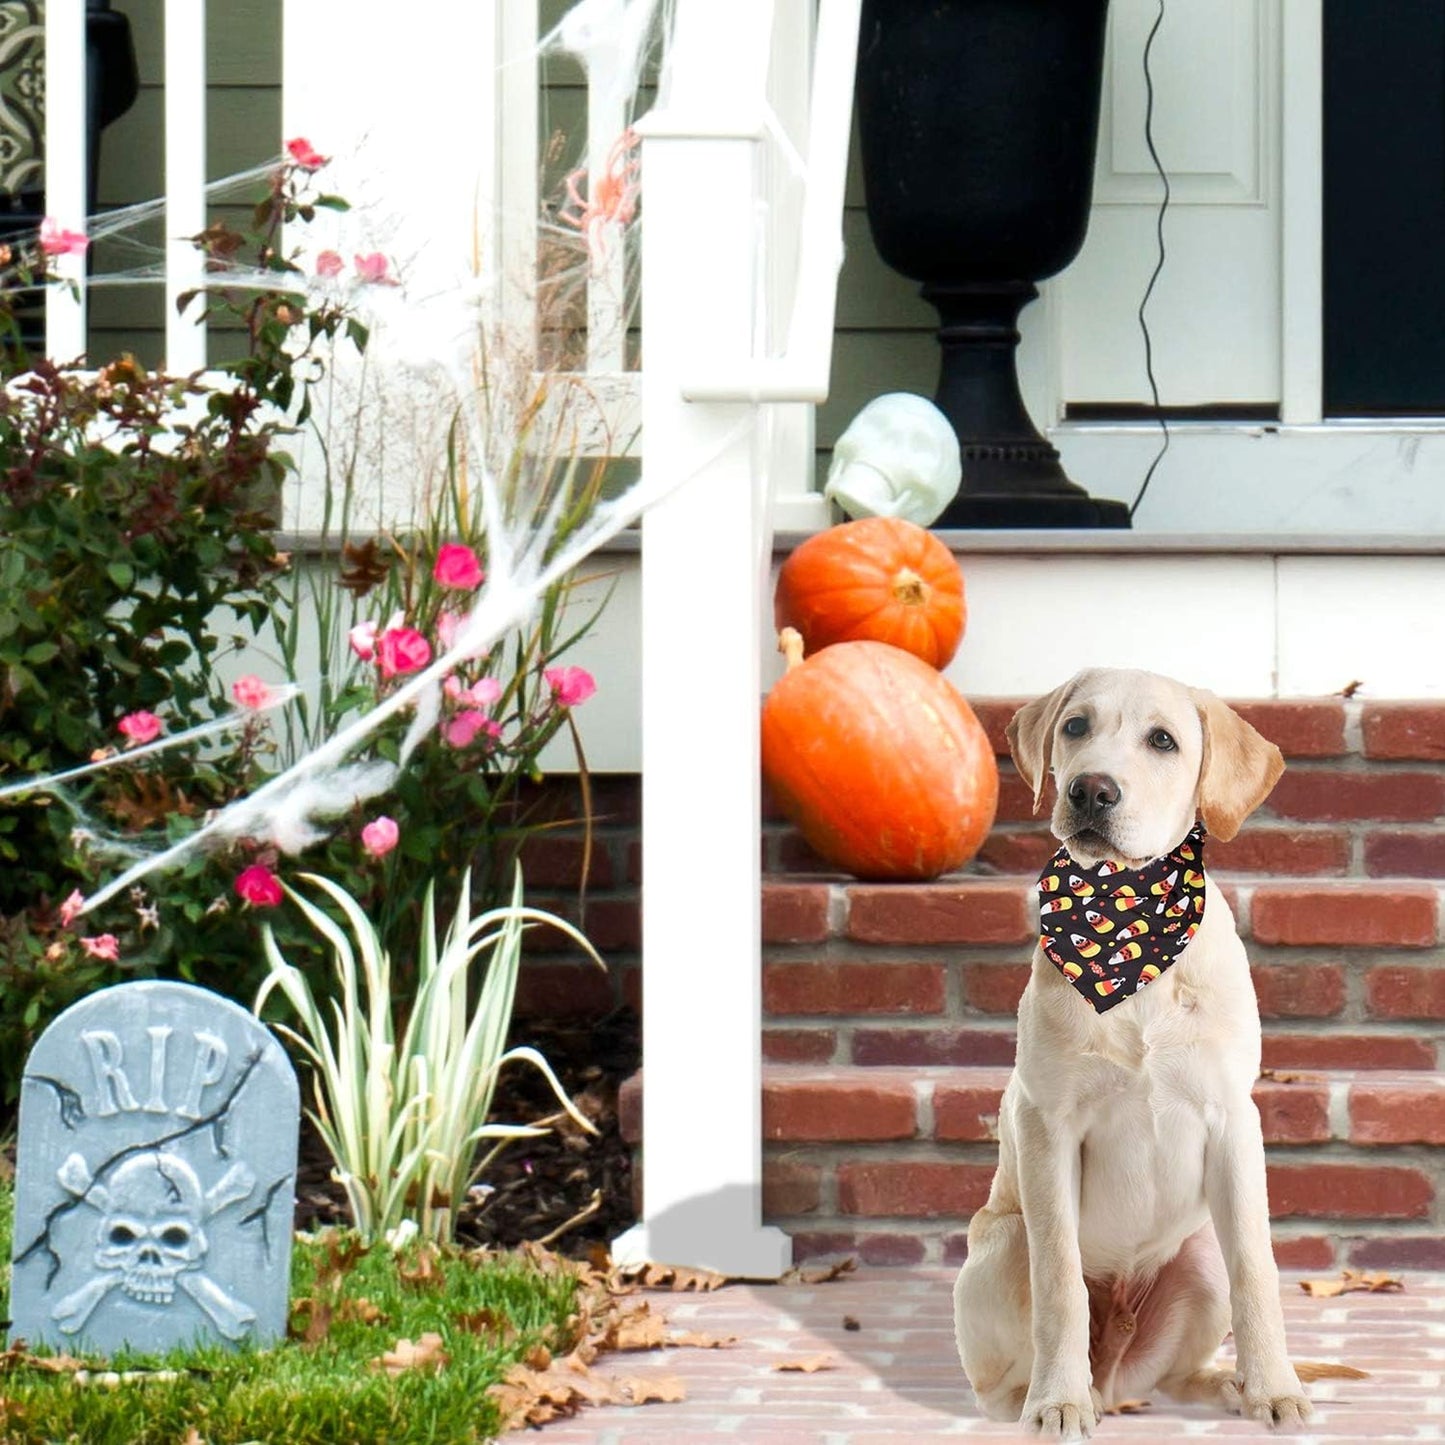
[(66, 163), (704, 557), (185, 142)]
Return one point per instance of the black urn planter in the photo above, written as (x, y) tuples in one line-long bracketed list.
[(978, 121)]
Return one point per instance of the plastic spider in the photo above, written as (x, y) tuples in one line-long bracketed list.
[(613, 199)]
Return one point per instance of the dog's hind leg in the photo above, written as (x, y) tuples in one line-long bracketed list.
[(991, 1313), (1182, 1325)]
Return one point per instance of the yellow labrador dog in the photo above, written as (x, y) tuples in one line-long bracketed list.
[(1128, 1227)]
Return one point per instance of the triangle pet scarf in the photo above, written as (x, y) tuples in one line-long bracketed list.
[(1110, 930)]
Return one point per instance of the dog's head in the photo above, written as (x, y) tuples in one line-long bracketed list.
[(1137, 757)]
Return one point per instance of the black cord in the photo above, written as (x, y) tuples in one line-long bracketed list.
[(1158, 264)]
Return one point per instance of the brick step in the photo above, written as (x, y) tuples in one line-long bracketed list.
[(1349, 975), (892, 1162)]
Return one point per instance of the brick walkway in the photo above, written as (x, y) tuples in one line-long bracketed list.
[(896, 1378)]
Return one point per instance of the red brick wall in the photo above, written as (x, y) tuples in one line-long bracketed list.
[(875, 996)]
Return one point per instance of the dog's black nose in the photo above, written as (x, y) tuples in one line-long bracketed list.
[(1093, 794)]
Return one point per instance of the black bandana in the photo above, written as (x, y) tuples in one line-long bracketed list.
[(1110, 930)]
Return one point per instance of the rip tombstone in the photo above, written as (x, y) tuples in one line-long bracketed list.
[(155, 1175)]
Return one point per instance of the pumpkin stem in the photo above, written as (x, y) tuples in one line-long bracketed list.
[(790, 644), (909, 588)]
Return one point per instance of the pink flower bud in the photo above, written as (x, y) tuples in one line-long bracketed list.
[(362, 639), (571, 686), (464, 728), (140, 727), (372, 269), (458, 566), (305, 155), (259, 886), (250, 692), (55, 240), (329, 264), (70, 909), (380, 836)]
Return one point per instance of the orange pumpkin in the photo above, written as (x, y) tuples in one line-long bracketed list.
[(881, 765), (880, 579)]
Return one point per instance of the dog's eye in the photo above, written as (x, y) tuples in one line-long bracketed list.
[(1161, 741), (1076, 727)]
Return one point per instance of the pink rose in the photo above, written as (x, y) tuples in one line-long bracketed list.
[(140, 727), (329, 264), (400, 650), (362, 639), (462, 730), (55, 240), (372, 269), (380, 836), (103, 945), (305, 154), (570, 686), (250, 692), (458, 566), (70, 909), (258, 885)]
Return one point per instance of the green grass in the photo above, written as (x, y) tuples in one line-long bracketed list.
[(321, 1394)]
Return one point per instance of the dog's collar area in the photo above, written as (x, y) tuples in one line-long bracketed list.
[(1111, 930)]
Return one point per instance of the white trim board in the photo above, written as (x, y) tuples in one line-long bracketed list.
[(1245, 625)]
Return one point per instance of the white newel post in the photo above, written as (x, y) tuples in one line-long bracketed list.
[(703, 552)]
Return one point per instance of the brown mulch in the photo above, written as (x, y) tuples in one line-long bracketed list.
[(538, 1184)]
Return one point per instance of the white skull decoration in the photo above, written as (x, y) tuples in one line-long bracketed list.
[(898, 458), (151, 1228)]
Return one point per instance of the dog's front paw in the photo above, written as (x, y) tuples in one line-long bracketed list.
[(1271, 1399), (1061, 1414)]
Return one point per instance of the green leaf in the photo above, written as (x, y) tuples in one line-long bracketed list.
[(332, 203), (122, 574), (42, 652)]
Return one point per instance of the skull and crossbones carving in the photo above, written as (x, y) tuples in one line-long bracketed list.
[(151, 1238)]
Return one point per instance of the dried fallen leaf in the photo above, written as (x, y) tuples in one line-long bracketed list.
[(644, 1389), (850, 1323), (318, 1315), (697, 1340), (641, 1330), (362, 1310), (424, 1270), (425, 1353), (809, 1365), (486, 1321), (820, 1273), (674, 1277), (532, 1397), (1292, 1076), (17, 1357), (1352, 1281)]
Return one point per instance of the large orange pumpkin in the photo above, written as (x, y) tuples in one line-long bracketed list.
[(879, 762), (881, 579)]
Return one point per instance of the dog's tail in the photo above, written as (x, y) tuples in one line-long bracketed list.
[(1309, 1370)]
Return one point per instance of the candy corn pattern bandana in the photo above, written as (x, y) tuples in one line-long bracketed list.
[(1109, 929)]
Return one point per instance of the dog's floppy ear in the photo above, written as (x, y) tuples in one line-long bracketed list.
[(1030, 736), (1238, 770)]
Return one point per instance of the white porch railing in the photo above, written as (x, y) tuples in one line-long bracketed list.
[(705, 564), (738, 311)]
